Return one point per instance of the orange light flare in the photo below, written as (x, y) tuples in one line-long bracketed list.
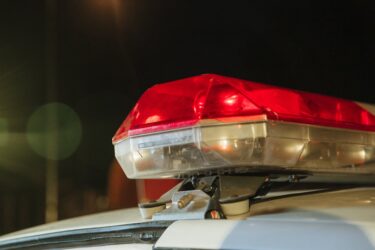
[(153, 119), (231, 100), (111, 7)]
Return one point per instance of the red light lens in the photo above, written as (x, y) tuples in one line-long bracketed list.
[(185, 102), (224, 101)]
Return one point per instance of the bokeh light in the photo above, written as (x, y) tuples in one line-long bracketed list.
[(54, 125)]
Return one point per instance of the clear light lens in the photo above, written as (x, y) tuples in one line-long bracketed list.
[(253, 146)]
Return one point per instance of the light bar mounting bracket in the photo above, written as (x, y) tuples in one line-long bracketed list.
[(213, 197)]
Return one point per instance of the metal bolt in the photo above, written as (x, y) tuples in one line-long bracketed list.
[(184, 201)]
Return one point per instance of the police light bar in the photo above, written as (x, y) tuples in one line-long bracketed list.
[(210, 124)]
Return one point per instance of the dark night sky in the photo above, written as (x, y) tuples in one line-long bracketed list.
[(326, 48), (110, 51)]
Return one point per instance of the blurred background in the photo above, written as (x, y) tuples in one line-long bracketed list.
[(71, 70)]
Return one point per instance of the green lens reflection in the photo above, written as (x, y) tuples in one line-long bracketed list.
[(54, 131)]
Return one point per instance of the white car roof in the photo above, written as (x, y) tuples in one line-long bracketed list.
[(334, 220), (347, 215), (112, 218)]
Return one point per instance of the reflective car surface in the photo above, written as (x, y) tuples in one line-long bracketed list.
[(327, 218)]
